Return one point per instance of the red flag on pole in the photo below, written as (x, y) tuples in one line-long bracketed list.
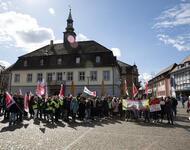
[(42, 87), (134, 90), (9, 100), (126, 88), (39, 90), (146, 90), (20, 92), (26, 108), (94, 93), (61, 92), (30, 96), (46, 93)]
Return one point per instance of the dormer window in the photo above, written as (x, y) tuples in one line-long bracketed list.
[(59, 61), (41, 62), (179, 67), (78, 60), (97, 59), (186, 64), (25, 63)]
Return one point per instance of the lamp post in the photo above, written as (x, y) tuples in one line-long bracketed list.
[(88, 77)]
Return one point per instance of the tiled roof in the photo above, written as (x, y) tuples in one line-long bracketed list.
[(84, 47), (168, 69), (122, 64), (186, 60)]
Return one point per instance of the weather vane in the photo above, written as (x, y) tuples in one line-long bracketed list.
[(70, 7)]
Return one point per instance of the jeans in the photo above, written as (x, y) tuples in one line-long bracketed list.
[(50, 115), (88, 112), (35, 113), (12, 117)]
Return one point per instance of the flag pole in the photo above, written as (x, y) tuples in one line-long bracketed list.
[(18, 107)]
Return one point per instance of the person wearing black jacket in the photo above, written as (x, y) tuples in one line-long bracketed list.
[(21, 108), (168, 109), (82, 107), (66, 108), (174, 105), (13, 109), (31, 111)]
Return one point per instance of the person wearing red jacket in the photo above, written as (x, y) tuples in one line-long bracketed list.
[(154, 101)]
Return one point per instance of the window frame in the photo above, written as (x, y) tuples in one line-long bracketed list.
[(57, 76), (59, 61), (38, 77), (47, 78), (77, 60), (17, 78), (92, 77), (79, 75), (106, 77), (98, 59), (69, 76), (27, 78)]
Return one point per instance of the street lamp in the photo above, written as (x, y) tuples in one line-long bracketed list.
[(88, 77)]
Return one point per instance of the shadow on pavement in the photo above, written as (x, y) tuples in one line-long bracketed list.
[(14, 127), (164, 125)]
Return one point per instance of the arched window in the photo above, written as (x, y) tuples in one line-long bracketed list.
[(97, 59), (25, 63), (78, 60), (59, 61), (41, 62)]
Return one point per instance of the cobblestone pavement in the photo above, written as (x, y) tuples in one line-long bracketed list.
[(98, 135)]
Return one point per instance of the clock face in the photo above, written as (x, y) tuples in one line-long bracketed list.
[(71, 39)]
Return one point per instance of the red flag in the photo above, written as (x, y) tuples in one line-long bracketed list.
[(20, 92), (146, 90), (26, 108), (42, 87), (9, 100), (39, 90), (46, 94), (126, 88), (30, 96), (61, 92), (134, 90), (94, 93)]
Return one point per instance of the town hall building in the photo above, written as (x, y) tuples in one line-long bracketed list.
[(85, 63)]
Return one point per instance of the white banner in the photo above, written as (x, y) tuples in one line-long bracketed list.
[(154, 108), (87, 91), (137, 105)]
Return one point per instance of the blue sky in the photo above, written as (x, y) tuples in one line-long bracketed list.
[(152, 33)]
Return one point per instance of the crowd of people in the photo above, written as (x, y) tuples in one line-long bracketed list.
[(68, 109)]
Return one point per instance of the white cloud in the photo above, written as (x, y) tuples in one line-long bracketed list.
[(58, 41), (4, 63), (176, 16), (145, 77), (81, 37), (4, 5), (116, 52), (51, 11), (173, 25), (24, 31), (180, 43)]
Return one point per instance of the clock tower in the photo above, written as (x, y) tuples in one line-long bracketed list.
[(69, 35)]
